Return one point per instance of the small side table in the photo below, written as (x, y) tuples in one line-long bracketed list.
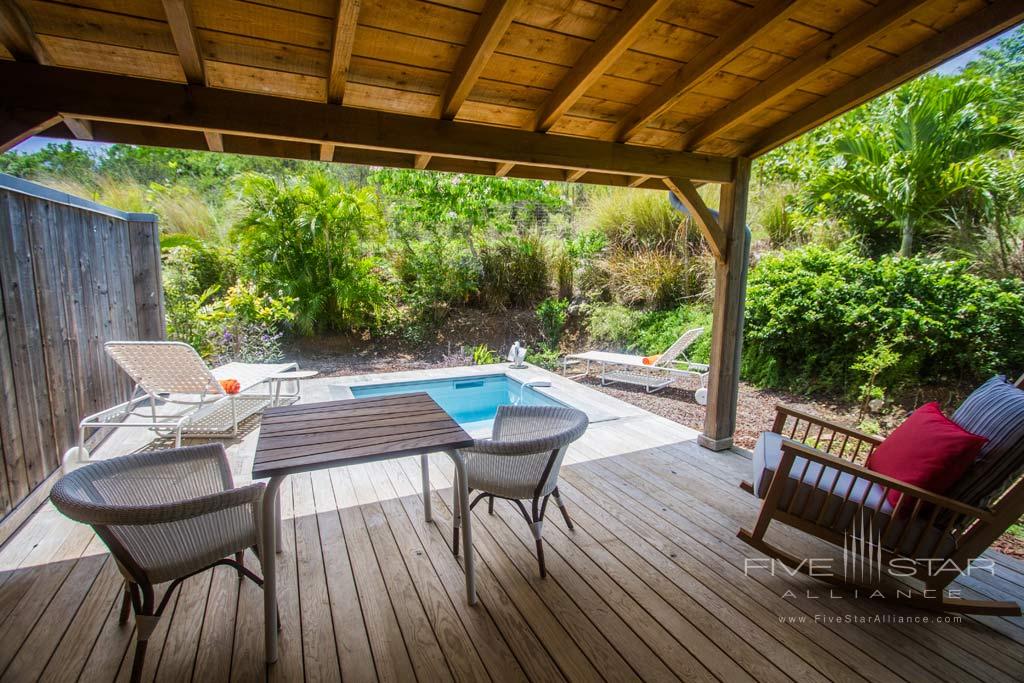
[(290, 376)]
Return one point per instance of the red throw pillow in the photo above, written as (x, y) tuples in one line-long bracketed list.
[(928, 450)]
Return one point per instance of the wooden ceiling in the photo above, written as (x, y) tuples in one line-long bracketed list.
[(697, 80)]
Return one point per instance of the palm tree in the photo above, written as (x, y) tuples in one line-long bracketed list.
[(919, 148)]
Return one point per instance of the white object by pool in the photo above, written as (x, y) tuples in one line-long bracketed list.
[(471, 401)]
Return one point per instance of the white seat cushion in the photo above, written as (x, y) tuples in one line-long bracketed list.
[(817, 501)]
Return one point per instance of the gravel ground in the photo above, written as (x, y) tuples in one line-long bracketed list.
[(755, 410)]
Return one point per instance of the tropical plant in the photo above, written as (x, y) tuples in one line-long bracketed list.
[(483, 355), (316, 241), (633, 220), (553, 314), (911, 154)]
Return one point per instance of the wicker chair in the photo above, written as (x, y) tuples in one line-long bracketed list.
[(520, 462), (165, 516)]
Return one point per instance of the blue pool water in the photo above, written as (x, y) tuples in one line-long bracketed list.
[(471, 401)]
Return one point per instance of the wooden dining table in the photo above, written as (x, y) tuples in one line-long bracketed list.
[(314, 436)]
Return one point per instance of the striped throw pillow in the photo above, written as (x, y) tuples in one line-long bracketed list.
[(994, 410)]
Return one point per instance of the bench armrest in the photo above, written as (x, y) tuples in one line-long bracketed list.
[(793, 449)]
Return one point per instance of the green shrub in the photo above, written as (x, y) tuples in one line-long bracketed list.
[(611, 325), (815, 317), (553, 314), (483, 355), (632, 219), (242, 325), (657, 330), (649, 332), (200, 265), (514, 272), (436, 275), (547, 358), (647, 278)]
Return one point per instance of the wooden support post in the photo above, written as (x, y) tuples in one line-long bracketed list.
[(727, 327)]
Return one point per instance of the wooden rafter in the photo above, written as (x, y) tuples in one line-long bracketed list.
[(701, 214), (326, 152), (341, 49), (639, 180), (421, 161), (503, 170), (710, 61), (183, 31), (214, 141), (81, 128), (856, 35), (18, 126), (622, 32), (128, 99), (487, 33), (997, 17)]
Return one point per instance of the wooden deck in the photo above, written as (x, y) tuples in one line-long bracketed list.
[(650, 585)]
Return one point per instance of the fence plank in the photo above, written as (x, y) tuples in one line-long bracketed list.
[(73, 275)]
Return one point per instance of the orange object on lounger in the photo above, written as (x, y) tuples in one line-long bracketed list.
[(651, 360), (230, 386)]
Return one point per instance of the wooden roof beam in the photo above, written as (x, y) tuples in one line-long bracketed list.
[(992, 20), (341, 49), (490, 27), (856, 35), (620, 34), (21, 41), (710, 61), (701, 214), (19, 125), (183, 31), (127, 99), (326, 152)]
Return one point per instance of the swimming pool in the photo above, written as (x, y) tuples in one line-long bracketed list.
[(471, 401)]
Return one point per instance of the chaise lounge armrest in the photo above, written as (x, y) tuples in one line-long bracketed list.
[(782, 411), (791, 450)]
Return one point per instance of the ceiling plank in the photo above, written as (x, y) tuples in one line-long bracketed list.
[(183, 31), (997, 17), (710, 61), (700, 213), (620, 34), (21, 41), (490, 27), (856, 35), (126, 99), (341, 49)]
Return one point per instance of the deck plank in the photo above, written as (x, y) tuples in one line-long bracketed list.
[(649, 585)]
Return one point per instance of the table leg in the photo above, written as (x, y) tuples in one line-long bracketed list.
[(425, 466), (271, 521), (462, 482)]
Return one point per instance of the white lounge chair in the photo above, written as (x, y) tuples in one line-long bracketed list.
[(669, 367), (173, 374)]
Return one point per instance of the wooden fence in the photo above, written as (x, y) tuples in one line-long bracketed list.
[(73, 275)]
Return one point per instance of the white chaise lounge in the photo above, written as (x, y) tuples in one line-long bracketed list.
[(669, 367), (173, 374)]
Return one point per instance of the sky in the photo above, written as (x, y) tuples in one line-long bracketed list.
[(952, 66)]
